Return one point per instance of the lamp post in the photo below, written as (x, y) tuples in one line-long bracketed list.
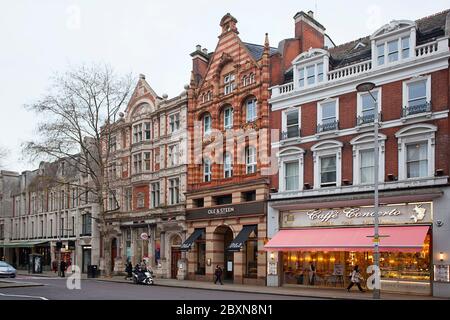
[(367, 87)]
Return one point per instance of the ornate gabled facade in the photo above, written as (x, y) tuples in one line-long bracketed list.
[(147, 180), (227, 173), (325, 181)]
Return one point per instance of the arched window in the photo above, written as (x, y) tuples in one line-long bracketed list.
[(207, 124), (228, 117), (207, 170), (227, 165), (251, 111), (250, 159)]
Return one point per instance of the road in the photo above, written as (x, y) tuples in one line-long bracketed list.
[(56, 289)]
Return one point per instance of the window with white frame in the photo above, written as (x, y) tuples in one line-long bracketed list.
[(147, 158), (206, 170), (364, 161), (392, 47), (311, 75), (228, 81), (173, 155), (291, 124), (250, 159), (174, 191), (393, 50), (207, 124), (137, 163), (137, 133), (301, 77), (227, 165), (291, 176), (174, 122), (251, 112), (327, 164), (228, 117), (417, 96), (366, 106), (328, 115), (406, 46), (416, 147), (155, 195), (320, 72), (380, 54)]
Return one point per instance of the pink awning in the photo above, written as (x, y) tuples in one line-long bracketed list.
[(408, 238)]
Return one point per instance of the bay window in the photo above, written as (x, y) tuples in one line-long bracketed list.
[(137, 133), (148, 131), (147, 161), (137, 163)]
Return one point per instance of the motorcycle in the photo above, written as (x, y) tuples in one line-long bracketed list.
[(143, 277)]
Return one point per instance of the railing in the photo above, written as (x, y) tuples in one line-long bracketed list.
[(416, 109), (427, 49), (349, 71), (293, 133), (368, 118), (285, 88), (329, 126)]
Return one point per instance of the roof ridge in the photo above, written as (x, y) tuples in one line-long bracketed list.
[(434, 15), (259, 45)]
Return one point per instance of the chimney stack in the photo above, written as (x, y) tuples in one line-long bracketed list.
[(200, 61), (309, 31)]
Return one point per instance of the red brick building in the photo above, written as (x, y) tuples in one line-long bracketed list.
[(326, 155), (228, 182)]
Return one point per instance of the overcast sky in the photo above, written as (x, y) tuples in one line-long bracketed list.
[(150, 37)]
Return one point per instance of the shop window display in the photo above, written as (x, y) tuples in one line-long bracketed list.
[(332, 269)]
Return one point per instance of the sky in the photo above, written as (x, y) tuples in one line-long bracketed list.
[(155, 38)]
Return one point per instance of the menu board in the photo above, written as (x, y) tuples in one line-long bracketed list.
[(272, 269), (441, 273)]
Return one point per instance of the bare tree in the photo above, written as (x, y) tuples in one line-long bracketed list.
[(77, 112)]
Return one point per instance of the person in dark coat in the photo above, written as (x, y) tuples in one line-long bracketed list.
[(129, 270), (63, 267), (218, 274)]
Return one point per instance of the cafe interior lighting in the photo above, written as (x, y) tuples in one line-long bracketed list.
[(441, 256)]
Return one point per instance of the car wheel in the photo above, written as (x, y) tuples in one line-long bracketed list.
[(13, 276)]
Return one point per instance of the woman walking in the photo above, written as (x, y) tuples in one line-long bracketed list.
[(355, 279), (218, 274)]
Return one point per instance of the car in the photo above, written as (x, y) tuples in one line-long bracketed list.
[(7, 270)]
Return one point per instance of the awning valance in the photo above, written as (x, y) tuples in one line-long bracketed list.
[(22, 244), (238, 242), (408, 238), (186, 246)]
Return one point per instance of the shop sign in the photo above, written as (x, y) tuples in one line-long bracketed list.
[(412, 213), (441, 273), (220, 211), (244, 209)]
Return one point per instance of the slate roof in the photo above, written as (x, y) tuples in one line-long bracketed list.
[(428, 29), (257, 50)]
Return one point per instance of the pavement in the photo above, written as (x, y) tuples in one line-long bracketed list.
[(317, 293)]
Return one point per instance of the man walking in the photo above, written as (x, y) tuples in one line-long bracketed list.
[(218, 274), (62, 268)]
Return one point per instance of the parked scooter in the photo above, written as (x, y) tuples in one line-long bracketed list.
[(142, 276)]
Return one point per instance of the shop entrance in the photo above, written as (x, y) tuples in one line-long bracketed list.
[(175, 256), (223, 236), (86, 258), (113, 252)]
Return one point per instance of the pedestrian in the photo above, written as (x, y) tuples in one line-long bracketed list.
[(355, 279), (63, 266), (129, 270), (218, 274), (312, 273), (55, 266)]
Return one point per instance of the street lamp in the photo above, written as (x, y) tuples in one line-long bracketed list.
[(367, 87)]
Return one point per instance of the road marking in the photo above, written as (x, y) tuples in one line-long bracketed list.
[(22, 296)]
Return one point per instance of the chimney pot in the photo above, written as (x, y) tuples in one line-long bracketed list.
[(311, 13), (198, 47), (205, 51), (142, 76)]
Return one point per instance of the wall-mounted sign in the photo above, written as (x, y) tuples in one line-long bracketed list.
[(272, 268), (244, 209), (144, 236), (229, 266), (412, 213), (442, 273)]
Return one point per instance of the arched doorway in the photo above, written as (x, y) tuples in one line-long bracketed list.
[(175, 255), (113, 252), (223, 236)]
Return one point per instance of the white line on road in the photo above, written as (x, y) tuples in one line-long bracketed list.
[(22, 296)]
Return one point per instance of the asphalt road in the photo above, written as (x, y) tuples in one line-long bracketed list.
[(91, 289)]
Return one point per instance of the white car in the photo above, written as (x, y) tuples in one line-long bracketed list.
[(6, 270)]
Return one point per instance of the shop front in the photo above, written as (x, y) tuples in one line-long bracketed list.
[(320, 247), (231, 237)]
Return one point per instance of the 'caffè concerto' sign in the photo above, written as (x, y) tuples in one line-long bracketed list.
[(413, 213)]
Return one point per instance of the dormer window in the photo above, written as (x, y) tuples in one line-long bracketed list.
[(405, 47), (314, 74)]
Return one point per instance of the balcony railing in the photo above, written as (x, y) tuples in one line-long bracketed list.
[(349, 71), (416, 109), (329, 126), (368, 118), (292, 133)]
